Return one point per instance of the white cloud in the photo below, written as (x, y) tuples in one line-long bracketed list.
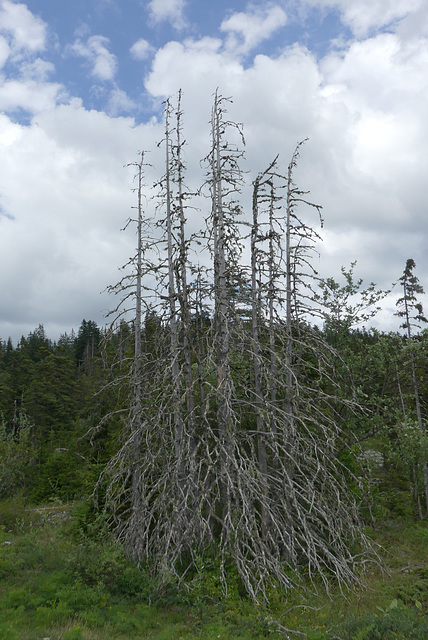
[(141, 49), (4, 51), (38, 70), (415, 24), (380, 72), (167, 11), (364, 111), (364, 16), (27, 87), (246, 30), (363, 108), (66, 195), (119, 102), (30, 96), (104, 63), (27, 31)]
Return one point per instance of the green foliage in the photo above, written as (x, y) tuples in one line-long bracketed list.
[(47, 403), (15, 515), (397, 623), (62, 474), (17, 455), (348, 305), (410, 446), (76, 633), (408, 306), (56, 582), (400, 483), (86, 346), (99, 560)]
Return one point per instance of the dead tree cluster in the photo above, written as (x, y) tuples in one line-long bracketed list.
[(230, 450)]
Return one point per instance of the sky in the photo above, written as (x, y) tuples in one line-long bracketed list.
[(82, 86)]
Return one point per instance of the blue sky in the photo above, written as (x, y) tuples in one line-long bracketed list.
[(78, 32), (81, 91)]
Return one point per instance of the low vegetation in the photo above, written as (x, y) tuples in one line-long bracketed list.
[(61, 578)]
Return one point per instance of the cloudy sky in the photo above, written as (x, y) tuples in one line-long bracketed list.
[(81, 91)]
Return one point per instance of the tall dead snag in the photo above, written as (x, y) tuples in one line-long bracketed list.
[(172, 297), (263, 191), (225, 181), (123, 473), (231, 448), (302, 509), (138, 377), (300, 239), (181, 268), (175, 491), (170, 519)]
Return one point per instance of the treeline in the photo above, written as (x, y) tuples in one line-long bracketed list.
[(54, 398), (47, 403), (52, 391)]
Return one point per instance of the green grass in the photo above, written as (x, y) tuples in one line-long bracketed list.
[(55, 584)]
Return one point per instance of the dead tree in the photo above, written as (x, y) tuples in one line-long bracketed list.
[(225, 180), (301, 497), (234, 448)]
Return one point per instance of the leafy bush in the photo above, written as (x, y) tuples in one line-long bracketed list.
[(80, 597), (7, 568), (103, 562)]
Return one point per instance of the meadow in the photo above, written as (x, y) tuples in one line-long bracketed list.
[(62, 580)]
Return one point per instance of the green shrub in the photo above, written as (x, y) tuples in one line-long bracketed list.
[(8, 568), (95, 562), (132, 583), (416, 591), (80, 597), (61, 475), (16, 516)]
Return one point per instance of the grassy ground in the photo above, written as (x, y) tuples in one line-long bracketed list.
[(55, 584)]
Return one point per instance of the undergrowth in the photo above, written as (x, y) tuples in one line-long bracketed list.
[(59, 579)]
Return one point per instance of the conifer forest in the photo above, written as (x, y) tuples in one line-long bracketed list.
[(238, 414)]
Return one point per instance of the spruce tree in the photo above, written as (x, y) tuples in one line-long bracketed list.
[(411, 311)]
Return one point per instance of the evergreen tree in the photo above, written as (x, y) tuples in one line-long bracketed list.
[(411, 311)]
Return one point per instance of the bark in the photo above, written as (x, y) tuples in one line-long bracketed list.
[(224, 382), (137, 348), (172, 296)]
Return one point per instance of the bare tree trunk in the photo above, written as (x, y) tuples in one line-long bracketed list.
[(224, 382), (174, 346), (183, 289), (289, 268), (137, 390), (258, 389)]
